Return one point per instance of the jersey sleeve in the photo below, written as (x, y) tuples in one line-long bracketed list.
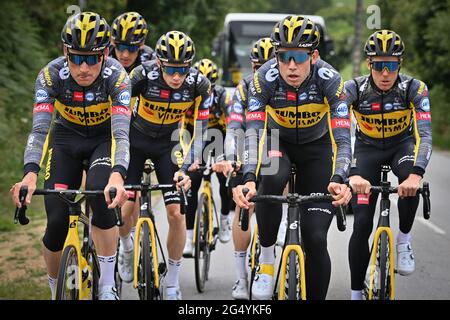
[(120, 93), (44, 99), (202, 102), (419, 101), (339, 125)]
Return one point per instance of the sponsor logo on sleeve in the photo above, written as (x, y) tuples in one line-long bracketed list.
[(342, 110), (153, 75), (426, 116), (64, 73), (125, 98), (238, 107), (43, 107), (254, 104), (340, 123), (121, 110), (272, 74), (363, 199), (425, 105), (251, 116), (41, 95), (326, 73), (203, 114)]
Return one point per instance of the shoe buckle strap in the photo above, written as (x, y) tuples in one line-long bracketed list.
[(266, 269)]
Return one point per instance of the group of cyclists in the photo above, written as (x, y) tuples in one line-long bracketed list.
[(119, 102)]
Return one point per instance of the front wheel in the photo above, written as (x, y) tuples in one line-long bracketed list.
[(67, 284), (292, 283), (146, 280), (202, 252)]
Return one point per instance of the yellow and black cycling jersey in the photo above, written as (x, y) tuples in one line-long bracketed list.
[(160, 108), (99, 110), (385, 119), (218, 106), (300, 115)]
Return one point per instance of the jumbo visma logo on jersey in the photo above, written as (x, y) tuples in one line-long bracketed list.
[(89, 115), (304, 116), (392, 123), (159, 112)]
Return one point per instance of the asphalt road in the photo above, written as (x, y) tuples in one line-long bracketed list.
[(431, 244)]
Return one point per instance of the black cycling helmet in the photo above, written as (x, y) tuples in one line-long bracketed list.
[(208, 69), (262, 51), (295, 32), (129, 28), (175, 47), (384, 43), (86, 31)]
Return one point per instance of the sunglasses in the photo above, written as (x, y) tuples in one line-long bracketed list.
[(391, 66), (90, 59), (298, 56), (122, 47), (170, 70)]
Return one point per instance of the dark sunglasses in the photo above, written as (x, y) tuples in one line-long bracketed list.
[(170, 70), (298, 56), (391, 66), (90, 59), (122, 47)]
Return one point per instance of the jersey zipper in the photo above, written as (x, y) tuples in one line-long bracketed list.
[(84, 113), (382, 117)]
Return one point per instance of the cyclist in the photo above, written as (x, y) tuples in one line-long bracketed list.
[(91, 95), (167, 87), (261, 52), (392, 111), (128, 34), (218, 102), (298, 98)]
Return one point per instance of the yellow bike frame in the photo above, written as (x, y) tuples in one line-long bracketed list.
[(301, 263), (73, 239), (154, 250), (253, 249), (373, 259), (206, 190)]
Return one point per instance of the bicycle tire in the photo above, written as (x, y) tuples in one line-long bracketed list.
[(67, 275), (201, 248), (292, 287), (254, 256), (146, 280), (384, 265), (95, 267)]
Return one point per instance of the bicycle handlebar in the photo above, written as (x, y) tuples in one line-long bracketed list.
[(117, 211), (294, 199), (424, 191)]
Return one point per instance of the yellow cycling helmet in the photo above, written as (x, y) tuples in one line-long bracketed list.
[(175, 47), (86, 31), (262, 51), (129, 28), (384, 43), (208, 69), (295, 32)]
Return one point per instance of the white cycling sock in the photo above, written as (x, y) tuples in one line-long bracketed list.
[(357, 295), (107, 265), (52, 283), (241, 264), (190, 234), (173, 272), (267, 255), (127, 242), (403, 237)]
